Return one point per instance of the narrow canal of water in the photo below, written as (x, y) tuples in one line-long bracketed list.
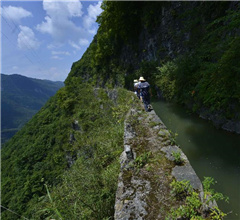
[(211, 152)]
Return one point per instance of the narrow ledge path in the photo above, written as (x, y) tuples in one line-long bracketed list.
[(148, 168)]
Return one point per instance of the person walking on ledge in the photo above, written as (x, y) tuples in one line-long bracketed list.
[(145, 91), (135, 85)]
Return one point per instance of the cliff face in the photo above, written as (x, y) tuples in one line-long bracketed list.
[(166, 39), (177, 28), (183, 37), (188, 51)]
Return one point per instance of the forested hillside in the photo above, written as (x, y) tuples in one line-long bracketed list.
[(64, 163), (22, 97), (75, 139)]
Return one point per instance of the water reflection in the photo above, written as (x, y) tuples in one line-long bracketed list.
[(211, 152)]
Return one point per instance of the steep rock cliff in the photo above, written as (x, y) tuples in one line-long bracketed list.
[(191, 46)]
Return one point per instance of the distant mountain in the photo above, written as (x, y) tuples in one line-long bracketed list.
[(22, 97)]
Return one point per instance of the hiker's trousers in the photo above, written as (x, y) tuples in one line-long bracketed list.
[(146, 102)]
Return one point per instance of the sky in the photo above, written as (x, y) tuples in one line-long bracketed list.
[(41, 39)]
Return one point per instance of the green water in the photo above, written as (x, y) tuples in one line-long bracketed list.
[(211, 152)]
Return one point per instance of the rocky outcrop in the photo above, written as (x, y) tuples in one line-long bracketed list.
[(168, 39), (148, 167), (220, 121)]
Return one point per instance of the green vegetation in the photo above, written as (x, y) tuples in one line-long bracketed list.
[(181, 189), (120, 24), (177, 157), (208, 75), (172, 137), (64, 162), (193, 206), (142, 160), (165, 79), (210, 193), (81, 171), (204, 74), (217, 214)]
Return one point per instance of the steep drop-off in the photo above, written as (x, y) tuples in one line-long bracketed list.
[(71, 149)]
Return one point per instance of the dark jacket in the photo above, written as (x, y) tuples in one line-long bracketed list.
[(144, 89)]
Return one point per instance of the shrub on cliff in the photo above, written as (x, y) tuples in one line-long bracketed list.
[(194, 207)]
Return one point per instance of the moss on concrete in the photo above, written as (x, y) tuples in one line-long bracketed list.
[(147, 185)]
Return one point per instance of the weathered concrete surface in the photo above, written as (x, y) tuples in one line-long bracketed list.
[(144, 184), (131, 201), (186, 172)]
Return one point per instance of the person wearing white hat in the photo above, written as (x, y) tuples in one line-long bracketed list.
[(145, 91), (136, 83)]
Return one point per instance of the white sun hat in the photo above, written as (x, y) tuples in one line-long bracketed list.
[(141, 79)]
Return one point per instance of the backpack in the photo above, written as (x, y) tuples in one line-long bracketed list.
[(144, 88)]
